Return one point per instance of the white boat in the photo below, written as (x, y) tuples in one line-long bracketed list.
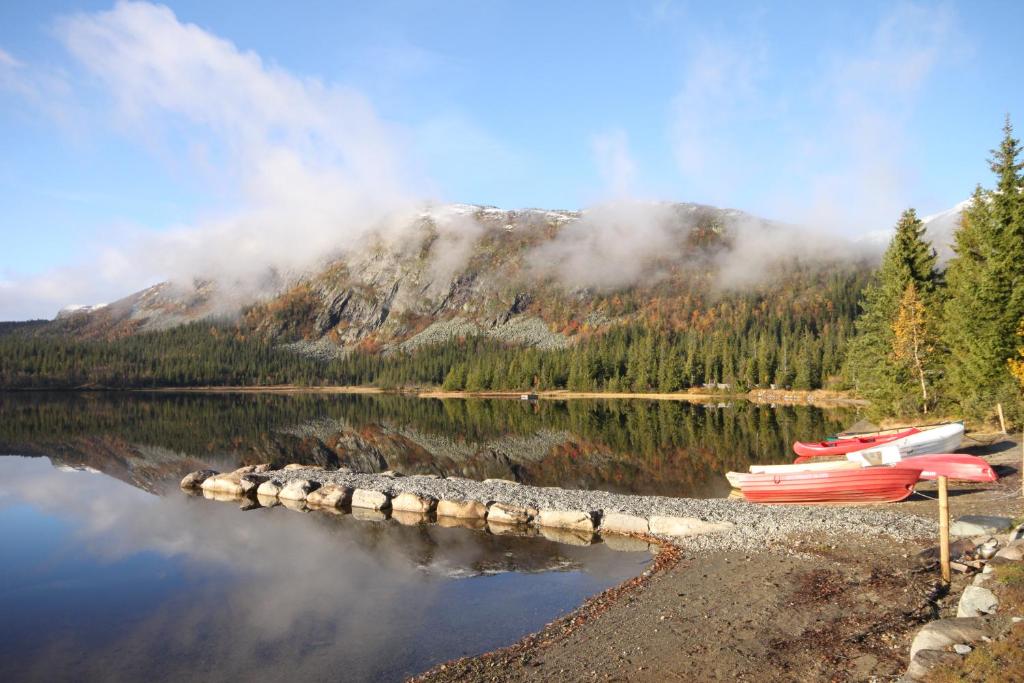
[(942, 439)]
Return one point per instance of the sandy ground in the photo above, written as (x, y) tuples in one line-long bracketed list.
[(803, 611)]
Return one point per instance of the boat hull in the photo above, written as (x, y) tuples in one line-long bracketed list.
[(821, 449), (953, 465), (865, 485)]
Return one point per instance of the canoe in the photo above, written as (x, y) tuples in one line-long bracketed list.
[(953, 465), (819, 449), (943, 438), (957, 466), (864, 485)]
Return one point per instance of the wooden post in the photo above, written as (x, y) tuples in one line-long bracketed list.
[(1002, 422), (944, 529)]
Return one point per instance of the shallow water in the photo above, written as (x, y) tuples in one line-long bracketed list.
[(103, 581)]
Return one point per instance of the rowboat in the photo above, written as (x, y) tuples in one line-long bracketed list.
[(833, 447), (862, 485), (943, 438), (953, 465)]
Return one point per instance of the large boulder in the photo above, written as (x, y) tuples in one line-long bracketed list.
[(410, 502), (330, 496), (250, 482), (462, 509), (680, 527), (578, 520), (194, 480), (1013, 552), (502, 513), (368, 499), (926, 660), (977, 525), (976, 601), (621, 523), (297, 489), (230, 483)]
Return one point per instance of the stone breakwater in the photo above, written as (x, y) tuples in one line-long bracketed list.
[(506, 506)]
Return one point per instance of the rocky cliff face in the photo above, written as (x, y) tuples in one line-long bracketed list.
[(519, 276)]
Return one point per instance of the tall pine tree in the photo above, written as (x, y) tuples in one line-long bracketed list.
[(986, 288), (872, 366)]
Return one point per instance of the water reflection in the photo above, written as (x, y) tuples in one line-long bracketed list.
[(103, 581), (658, 447)]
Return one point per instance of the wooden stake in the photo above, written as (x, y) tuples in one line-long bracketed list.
[(944, 529), (1002, 422)]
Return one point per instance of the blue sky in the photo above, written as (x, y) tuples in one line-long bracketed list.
[(134, 128)]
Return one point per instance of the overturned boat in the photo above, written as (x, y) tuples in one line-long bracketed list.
[(844, 485), (942, 438)]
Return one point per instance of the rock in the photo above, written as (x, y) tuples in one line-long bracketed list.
[(370, 500), (926, 660), (626, 544), (976, 525), (409, 518), (245, 469), (410, 502), (194, 480), (269, 488), (501, 513), (220, 496), (976, 601), (297, 489), (462, 509), (250, 482), (620, 523), (330, 496), (230, 483), (981, 579), (567, 536), (1014, 552), (680, 527), (261, 468), (390, 474), (1017, 534), (941, 634), (300, 466), (566, 519), (962, 649)]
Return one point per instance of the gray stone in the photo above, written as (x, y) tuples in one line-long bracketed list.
[(976, 525), (1014, 552), (194, 480), (619, 523), (962, 649), (410, 502), (941, 634), (368, 499), (330, 496), (297, 489), (680, 527), (501, 513), (462, 509), (578, 520), (976, 601)]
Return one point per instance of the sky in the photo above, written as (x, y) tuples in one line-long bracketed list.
[(142, 141)]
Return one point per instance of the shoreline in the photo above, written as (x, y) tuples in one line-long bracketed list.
[(818, 397)]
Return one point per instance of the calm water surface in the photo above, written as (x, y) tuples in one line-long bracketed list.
[(110, 573)]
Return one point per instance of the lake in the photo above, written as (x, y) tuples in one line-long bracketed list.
[(110, 572)]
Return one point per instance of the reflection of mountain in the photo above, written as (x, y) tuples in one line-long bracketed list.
[(670, 448)]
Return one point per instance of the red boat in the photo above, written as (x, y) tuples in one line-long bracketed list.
[(819, 449), (867, 485), (952, 465)]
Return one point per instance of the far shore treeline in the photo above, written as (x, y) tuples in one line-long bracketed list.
[(913, 337)]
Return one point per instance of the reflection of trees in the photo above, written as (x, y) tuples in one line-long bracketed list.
[(667, 447)]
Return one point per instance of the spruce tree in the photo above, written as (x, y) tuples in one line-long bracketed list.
[(985, 279), (872, 367)]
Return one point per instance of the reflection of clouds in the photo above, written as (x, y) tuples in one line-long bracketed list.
[(267, 591)]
